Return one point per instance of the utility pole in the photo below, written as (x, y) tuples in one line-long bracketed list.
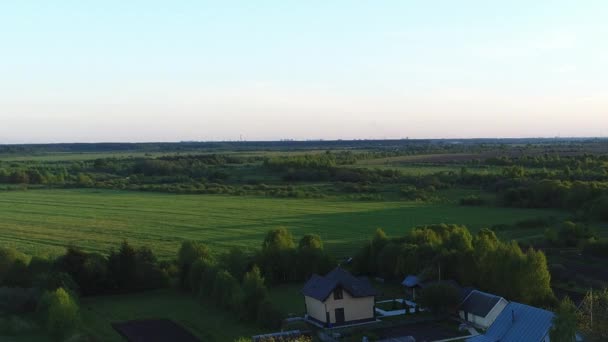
[(591, 313), (439, 272)]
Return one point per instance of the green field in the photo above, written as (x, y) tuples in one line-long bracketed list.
[(205, 321), (45, 221)]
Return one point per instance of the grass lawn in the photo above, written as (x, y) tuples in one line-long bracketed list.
[(45, 221), (206, 322), (389, 306), (288, 299)]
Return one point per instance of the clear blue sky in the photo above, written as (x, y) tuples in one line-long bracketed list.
[(201, 70)]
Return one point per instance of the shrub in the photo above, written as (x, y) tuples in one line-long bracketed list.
[(598, 249), (254, 293), (268, 316), (8, 257), (17, 300), (439, 298), (189, 252), (471, 200), (226, 291), (15, 325), (61, 313), (51, 281)]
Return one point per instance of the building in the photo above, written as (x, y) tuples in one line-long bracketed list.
[(481, 309), (339, 298), (411, 283), (518, 322)]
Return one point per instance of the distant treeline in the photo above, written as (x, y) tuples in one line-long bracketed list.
[(286, 145)]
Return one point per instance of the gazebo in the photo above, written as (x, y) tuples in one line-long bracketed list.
[(411, 282)]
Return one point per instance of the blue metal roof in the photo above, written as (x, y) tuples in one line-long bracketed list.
[(411, 281), (518, 322)]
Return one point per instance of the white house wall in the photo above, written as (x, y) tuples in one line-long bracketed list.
[(354, 308), (486, 321), (315, 309)]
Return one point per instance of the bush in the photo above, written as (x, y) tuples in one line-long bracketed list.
[(8, 257), (53, 280), (226, 291), (189, 252), (268, 316), (254, 293), (598, 248), (17, 300), (15, 325), (18, 275), (472, 200), (439, 298), (61, 313)]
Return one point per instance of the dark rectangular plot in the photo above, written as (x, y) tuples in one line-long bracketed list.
[(154, 330)]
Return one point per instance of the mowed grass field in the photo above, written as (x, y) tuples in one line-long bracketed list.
[(40, 222)]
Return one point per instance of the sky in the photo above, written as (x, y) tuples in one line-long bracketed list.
[(122, 71)]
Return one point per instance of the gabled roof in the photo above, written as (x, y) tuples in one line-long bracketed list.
[(465, 292), (518, 322), (320, 288), (479, 303), (411, 281)]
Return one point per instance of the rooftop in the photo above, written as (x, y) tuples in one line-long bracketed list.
[(479, 303), (518, 322), (320, 288)]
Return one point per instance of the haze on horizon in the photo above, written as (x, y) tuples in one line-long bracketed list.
[(75, 71)]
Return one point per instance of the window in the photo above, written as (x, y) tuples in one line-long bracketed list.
[(338, 293)]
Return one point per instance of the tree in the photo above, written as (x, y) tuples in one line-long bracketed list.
[(278, 240), (311, 258), (311, 241), (149, 274), (61, 313), (8, 257), (236, 261), (188, 253), (52, 281), (439, 298), (19, 177), (564, 322), (18, 275), (207, 282), (379, 241), (226, 291), (254, 292), (278, 254), (72, 262), (197, 270), (122, 267), (84, 180), (570, 234), (94, 276)]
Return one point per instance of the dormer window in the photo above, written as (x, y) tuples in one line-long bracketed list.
[(338, 293)]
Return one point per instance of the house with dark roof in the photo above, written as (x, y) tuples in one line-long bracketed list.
[(518, 322), (481, 309), (339, 298)]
